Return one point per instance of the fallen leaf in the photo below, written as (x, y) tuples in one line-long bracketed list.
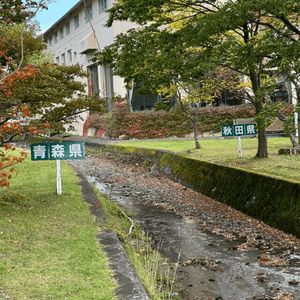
[(293, 282)]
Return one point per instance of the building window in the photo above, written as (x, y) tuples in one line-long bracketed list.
[(89, 12), (109, 83), (280, 93), (68, 29), (102, 5), (57, 60), (50, 41), (94, 80), (55, 37), (75, 55), (70, 56), (61, 33), (76, 21), (63, 59)]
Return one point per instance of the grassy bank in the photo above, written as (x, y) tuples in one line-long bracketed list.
[(226, 152), (48, 244), (155, 272)]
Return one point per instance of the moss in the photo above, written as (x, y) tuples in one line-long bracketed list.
[(146, 152), (35, 139), (272, 200), (164, 159), (130, 149)]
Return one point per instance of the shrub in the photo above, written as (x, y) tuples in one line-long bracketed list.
[(162, 123), (161, 106)]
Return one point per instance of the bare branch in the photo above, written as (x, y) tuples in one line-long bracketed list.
[(289, 24), (132, 224)]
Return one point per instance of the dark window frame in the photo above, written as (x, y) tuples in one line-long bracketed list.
[(68, 28), (55, 37), (61, 33), (89, 12), (76, 22), (102, 6), (70, 55), (63, 59)]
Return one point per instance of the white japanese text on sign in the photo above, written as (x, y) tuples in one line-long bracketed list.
[(238, 130), (57, 151)]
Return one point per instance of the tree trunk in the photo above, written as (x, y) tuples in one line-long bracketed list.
[(262, 151), (262, 144), (283, 118), (194, 120), (298, 131), (196, 135), (293, 140)]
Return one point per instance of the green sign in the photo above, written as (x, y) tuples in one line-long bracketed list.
[(57, 151), (238, 130)]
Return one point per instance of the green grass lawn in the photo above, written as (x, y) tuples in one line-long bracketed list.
[(48, 245), (226, 152)]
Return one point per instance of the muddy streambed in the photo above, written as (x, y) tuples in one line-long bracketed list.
[(209, 266)]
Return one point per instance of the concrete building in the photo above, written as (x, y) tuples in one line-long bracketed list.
[(77, 35), (80, 32)]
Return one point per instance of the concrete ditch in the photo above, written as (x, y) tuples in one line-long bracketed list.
[(274, 281)]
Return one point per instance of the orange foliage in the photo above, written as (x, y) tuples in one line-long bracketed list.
[(7, 161), (8, 127)]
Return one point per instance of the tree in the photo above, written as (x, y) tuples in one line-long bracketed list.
[(162, 62), (10, 37), (53, 96), (35, 95), (12, 12), (247, 36), (203, 90)]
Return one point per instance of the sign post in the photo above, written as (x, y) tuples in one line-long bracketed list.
[(58, 178), (240, 146), (296, 123), (238, 130), (58, 152)]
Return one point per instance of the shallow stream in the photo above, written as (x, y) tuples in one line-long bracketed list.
[(209, 266)]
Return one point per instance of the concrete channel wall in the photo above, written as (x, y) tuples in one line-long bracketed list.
[(272, 200)]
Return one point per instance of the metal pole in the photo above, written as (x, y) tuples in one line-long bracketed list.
[(296, 123), (58, 178), (240, 146)]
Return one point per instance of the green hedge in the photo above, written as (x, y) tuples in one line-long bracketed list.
[(158, 124)]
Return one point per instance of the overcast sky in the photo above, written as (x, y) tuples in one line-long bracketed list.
[(55, 11)]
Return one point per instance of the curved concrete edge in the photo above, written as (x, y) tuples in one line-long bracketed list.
[(130, 286)]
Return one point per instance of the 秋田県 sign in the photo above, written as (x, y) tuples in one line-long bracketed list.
[(238, 130)]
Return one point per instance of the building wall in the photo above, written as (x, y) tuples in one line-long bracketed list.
[(77, 45)]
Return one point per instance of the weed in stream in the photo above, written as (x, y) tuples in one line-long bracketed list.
[(156, 273)]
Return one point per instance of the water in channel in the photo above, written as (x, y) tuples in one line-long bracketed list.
[(209, 266)]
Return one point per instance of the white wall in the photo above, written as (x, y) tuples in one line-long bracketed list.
[(74, 42)]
